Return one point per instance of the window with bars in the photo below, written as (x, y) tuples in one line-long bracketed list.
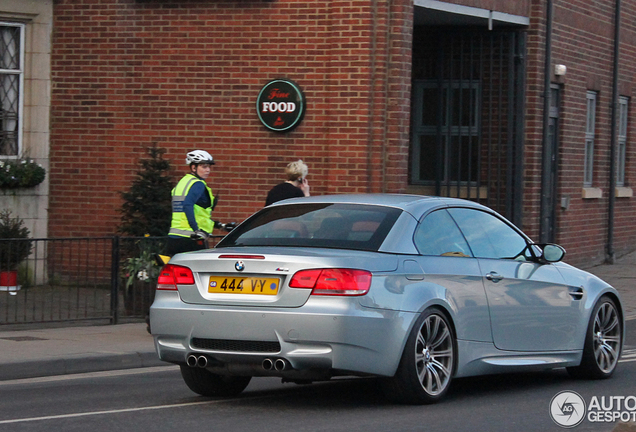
[(588, 168), (11, 82), (449, 138), (623, 104)]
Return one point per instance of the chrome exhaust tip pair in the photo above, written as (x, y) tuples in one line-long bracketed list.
[(277, 364)]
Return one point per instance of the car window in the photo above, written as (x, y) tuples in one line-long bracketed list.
[(344, 226), (488, 236), (438, 234)]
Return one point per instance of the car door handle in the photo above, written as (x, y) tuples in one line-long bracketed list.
[(576, 293), (494, 276)]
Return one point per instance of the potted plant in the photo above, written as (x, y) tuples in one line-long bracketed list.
[(146, 211), (20, 173), (14, 248), (141, 273)]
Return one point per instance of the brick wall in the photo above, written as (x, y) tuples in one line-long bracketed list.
[(186, 74), (534, 121), (583, 34)]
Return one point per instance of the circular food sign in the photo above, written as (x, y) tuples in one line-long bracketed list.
[(280, 105)]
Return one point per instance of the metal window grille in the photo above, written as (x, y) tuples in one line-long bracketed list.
[(467, 115), (11, 85)]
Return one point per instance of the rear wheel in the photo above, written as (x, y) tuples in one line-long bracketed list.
[(428, 361), (603, 342), (206, 383)]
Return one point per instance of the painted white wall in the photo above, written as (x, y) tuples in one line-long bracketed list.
[(32, 204)]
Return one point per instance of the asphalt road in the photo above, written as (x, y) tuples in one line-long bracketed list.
[(157, 400)]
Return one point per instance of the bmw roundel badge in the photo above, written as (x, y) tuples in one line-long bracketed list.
[(239, 266)]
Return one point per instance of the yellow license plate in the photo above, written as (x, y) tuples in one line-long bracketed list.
[(243, 285)]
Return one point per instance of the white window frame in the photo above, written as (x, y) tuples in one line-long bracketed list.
[(623, 118), (20, 72), (590, 127)]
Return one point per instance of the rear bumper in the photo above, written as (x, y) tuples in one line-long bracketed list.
[(325, 334)]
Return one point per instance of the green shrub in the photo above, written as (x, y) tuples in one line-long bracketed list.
[(20, 173), (13, 252), (147, 207)]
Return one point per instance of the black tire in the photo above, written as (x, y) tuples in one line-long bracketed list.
[(428, 361), (603, 342), (205, 383)]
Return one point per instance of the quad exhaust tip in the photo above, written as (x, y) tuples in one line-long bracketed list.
[(277, 364), (267, 364), (280, 365), (197, 361)]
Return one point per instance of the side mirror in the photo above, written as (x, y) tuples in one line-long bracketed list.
[(552, 253)]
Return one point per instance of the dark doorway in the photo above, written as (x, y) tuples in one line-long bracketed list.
[(467, 115)]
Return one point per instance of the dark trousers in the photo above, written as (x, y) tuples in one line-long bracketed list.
[(177, 245)]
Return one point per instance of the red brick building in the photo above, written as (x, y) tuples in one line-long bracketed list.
[(422, 96)]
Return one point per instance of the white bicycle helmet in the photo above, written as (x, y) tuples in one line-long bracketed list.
[(199, 157)]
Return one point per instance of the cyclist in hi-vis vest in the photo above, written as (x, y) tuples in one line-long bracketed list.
[(192, 205)]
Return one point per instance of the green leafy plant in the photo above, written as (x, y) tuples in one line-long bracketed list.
[(143, 267), (13, 252), (20, 173), (147, 207)]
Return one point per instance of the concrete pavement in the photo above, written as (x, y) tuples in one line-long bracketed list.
[(70, 350), (57, 351)]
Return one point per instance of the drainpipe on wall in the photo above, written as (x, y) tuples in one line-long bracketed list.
[(610, 258), (371, 103), (545, 158), (388, 63)]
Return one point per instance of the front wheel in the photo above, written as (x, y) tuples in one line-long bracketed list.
[(603, 342), (206, 383), (428, 361)]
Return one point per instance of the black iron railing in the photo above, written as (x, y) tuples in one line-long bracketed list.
[(78, 279)]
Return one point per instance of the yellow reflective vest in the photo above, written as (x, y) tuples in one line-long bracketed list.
[(180, 226)]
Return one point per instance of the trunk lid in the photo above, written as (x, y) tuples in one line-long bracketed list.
[(260, 276)]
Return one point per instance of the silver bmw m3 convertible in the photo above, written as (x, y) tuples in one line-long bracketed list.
[(414, 290)]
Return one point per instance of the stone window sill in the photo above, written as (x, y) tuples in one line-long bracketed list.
[(591, 193), (624, 192)]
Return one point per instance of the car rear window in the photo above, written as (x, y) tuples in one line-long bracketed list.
[(342, 226)]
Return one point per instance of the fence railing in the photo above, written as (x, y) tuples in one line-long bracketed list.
[(78, 279)]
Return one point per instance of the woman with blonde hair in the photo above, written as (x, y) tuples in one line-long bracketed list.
[(296, 184)]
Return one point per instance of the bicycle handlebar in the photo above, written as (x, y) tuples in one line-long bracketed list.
[(229, 226)]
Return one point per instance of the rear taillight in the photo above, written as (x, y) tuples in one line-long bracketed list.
[(172, 275), (336, 281)]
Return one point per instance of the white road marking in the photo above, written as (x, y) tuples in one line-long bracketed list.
[(111, 373), (85, 414), (628, 356)]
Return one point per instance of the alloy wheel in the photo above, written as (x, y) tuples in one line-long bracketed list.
[(434, 354), (607, 337)]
